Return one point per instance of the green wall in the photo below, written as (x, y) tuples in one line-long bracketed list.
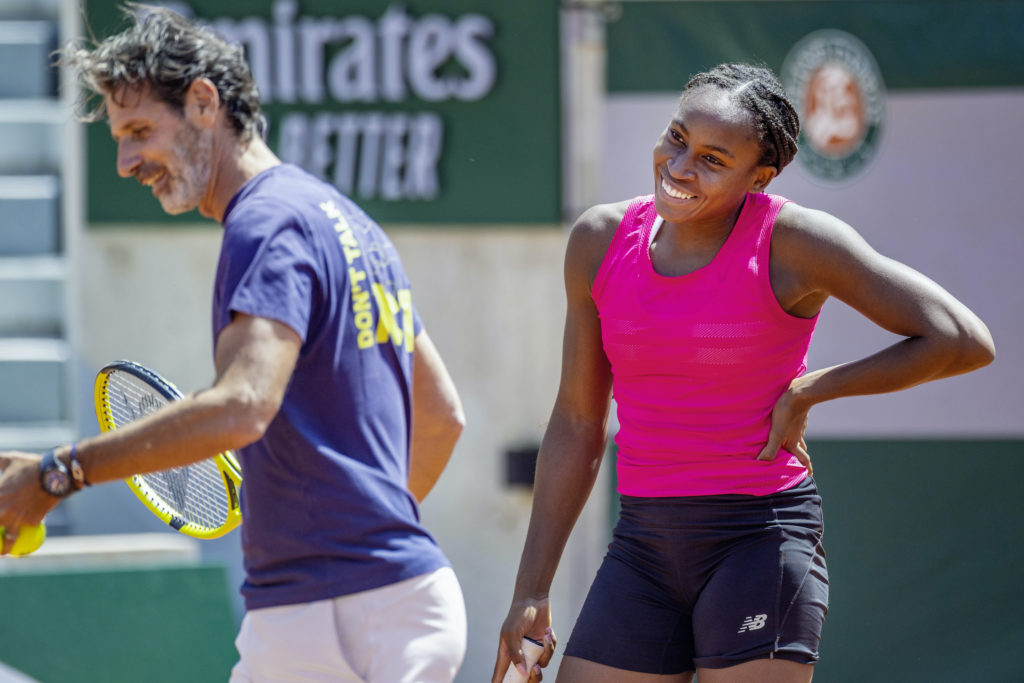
[(655, 46), (924, 541), (123, 626), (925, 549)]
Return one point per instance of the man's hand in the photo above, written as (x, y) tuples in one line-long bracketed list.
[(22, 500)]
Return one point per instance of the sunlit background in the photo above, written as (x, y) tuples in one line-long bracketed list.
[(475, 134)]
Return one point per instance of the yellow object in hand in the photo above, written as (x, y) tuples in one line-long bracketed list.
[(30, 537)]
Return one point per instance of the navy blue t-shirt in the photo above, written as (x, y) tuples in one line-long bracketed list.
[(325, 505)]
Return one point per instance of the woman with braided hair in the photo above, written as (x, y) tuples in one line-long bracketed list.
[(694, 307)]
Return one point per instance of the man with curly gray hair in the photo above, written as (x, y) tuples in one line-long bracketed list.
[(327, 385), (163, 55)]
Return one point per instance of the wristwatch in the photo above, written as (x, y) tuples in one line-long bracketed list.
[(54, 476)]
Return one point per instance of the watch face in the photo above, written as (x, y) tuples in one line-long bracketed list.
[(56, 482)]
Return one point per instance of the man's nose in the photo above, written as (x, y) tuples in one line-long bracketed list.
[(128, 159)]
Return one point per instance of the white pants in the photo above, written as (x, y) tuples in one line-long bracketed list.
[(413, 631)]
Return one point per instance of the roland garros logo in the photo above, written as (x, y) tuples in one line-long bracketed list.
[(838, 90)]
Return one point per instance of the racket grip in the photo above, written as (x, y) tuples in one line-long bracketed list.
[(532, 650)]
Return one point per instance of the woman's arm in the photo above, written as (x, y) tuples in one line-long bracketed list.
[(574, 441), (816, 256)]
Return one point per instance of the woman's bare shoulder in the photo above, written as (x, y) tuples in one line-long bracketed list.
[(813, 237), (594, 230)]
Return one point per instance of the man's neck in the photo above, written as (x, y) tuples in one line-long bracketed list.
[(234, 166)]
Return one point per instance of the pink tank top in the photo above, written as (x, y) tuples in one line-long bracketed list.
[(698, 360)]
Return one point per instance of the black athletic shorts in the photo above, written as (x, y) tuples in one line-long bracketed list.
[(709, 582)]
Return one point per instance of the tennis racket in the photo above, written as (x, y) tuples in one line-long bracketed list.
[(199, 500)]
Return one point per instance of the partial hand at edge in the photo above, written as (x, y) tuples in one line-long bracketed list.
[(22, 500)]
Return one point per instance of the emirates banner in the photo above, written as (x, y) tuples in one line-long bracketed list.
[(423, 112)]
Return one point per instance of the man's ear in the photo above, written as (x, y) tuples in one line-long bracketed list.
[(762, 177), (202, 103)]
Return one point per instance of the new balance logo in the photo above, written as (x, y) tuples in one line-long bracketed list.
[(753, 623)]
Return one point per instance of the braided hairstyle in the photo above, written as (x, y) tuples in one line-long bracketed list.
[(758, 90)]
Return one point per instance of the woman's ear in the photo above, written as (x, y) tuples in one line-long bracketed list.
[(762, 177)]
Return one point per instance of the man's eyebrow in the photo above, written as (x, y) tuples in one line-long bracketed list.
[(123, 127)]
